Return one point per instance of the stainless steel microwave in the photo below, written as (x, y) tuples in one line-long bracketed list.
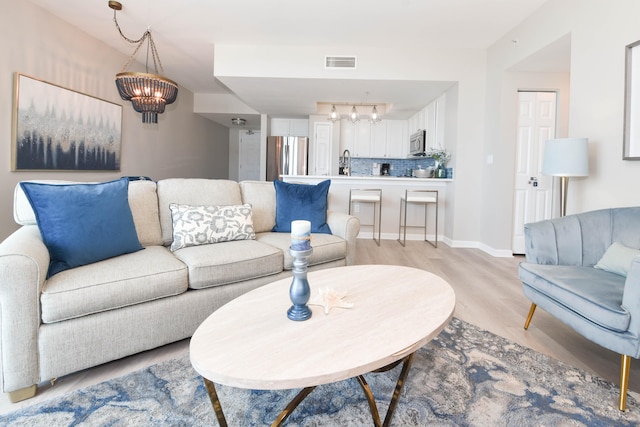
[(417, 143)]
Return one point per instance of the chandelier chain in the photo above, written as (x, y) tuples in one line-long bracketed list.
[(141, 39), (157, 64)]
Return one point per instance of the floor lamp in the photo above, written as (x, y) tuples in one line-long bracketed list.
[(565, 157)]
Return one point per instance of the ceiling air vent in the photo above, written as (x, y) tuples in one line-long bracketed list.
[(340, 62)]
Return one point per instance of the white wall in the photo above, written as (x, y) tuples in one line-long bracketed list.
[(595, 105), (36, 43)]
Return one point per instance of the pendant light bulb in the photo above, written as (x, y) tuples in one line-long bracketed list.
[(334, 116), (375, 116), (354, 116)]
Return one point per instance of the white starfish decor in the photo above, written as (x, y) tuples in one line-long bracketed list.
[(329, 298)]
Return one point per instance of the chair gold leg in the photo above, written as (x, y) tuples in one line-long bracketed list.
[(531, 311), (624, 381)]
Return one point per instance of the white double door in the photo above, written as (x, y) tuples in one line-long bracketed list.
[(533, 195)]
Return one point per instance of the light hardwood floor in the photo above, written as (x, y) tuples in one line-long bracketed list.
[(488, 294)]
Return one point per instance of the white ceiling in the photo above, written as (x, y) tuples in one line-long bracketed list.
[(186, 32)]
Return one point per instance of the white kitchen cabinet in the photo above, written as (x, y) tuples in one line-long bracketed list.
[(430, 118), (439, 120), (289, 127), (347, 136), (355, 137), (397, 139), (362, 144), (389, 139), (385, 139), (379, 139)]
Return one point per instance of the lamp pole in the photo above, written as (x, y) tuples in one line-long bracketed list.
[(564, 186)]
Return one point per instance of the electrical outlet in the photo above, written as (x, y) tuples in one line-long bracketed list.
[(356, 207)]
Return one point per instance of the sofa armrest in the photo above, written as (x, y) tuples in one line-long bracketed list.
[(631, 295), (24, 261), (347, 227)]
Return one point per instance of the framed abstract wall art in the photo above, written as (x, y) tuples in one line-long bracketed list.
[(59, 129)]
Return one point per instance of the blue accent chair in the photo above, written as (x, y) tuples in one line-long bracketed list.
[(559, 276)]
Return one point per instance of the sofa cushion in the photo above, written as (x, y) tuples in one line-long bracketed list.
[(261, 195), (203, 225), (301, 201), (229, 262), (617, 259), (114, 283), (143, 200), (83, 223), (195, 192), (326, 247), (594, 294)]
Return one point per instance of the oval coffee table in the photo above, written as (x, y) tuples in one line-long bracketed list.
[(250, 343)]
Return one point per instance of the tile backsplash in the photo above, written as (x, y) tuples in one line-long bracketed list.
[(361, 166)]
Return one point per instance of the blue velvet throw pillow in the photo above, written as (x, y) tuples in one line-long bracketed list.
[(83, 223), (302, 201)]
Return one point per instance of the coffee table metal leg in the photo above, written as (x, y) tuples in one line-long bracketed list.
[(371, 400), (396, 394), (292, 406), (215, 402), (406, 365)]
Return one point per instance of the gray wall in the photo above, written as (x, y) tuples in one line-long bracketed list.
[(38, 44)]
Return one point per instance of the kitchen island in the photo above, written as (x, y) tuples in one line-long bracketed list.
[(393, 187)]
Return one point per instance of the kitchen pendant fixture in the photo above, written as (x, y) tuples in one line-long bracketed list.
[(354, 116), (333, 115), (375, 116), (149, 93)]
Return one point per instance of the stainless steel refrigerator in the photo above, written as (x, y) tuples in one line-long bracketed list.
[(287, 155)]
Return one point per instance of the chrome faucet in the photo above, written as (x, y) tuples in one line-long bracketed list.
[(346, 162)]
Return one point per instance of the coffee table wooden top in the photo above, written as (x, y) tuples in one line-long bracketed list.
[(250, 342)]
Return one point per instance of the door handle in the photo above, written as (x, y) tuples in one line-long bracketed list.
[(533, 181)]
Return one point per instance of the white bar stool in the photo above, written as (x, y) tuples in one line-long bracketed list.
[(369, 195), (424, 197)]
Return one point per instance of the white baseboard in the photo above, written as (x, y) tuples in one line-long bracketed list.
[(498, 253)]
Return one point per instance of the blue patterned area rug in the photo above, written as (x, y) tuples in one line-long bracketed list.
[(464, 377)]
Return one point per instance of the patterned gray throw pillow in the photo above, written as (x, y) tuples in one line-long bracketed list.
[(203, 225)]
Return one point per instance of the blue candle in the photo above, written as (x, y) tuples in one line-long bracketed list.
[(300, 235)]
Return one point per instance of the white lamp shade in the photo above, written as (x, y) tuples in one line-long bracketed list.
[(566, 157)]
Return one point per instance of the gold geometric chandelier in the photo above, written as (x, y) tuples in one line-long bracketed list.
[(149, 93)]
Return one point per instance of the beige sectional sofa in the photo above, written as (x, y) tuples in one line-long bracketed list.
[(96, 313)]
